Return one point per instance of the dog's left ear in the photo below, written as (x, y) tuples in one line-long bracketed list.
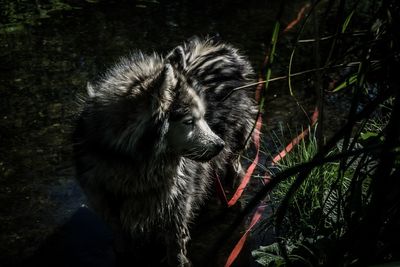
[(177, 58), (162, 90)]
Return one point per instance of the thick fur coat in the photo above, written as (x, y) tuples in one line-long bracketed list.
[(152, 133)]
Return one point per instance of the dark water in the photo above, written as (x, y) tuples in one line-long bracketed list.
[(45, 64)]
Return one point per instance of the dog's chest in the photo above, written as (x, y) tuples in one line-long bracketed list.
[(157, 205)]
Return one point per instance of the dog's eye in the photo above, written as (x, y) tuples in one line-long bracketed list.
[(188, 121)]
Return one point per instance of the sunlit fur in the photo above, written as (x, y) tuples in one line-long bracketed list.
[(143, 163), (215, 69)]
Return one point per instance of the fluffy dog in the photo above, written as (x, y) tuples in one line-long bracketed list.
[(152, 133)]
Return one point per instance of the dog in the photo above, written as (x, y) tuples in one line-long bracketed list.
[(154, 130)]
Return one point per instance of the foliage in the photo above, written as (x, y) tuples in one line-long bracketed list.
[(313, 198), (316, 212), (338, 200)]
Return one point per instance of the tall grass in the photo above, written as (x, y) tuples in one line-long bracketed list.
[(339, 201), (315, 220), (307, 203)]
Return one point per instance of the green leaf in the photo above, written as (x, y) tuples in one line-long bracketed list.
[(349, 81), (268, 255), (367, 135), (347, 21)]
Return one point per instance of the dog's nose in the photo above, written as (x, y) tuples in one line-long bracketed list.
[(220, 144)]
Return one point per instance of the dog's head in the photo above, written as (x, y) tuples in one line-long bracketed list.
[(188, 133), (145, 107)]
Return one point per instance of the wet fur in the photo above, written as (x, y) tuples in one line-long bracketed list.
[(132, 176)]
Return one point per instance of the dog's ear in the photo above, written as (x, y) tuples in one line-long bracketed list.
[(90, 90), (177, 58), (162, 90)]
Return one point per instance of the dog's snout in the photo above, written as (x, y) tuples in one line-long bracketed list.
[(220, 144)]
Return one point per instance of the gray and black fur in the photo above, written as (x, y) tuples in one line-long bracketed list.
[(216, 69), (152, 133)]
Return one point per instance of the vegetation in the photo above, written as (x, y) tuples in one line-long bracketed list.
[(338, 200), (317, 214)]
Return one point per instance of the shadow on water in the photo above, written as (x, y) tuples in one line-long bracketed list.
[(84, 240), (46, 63)]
